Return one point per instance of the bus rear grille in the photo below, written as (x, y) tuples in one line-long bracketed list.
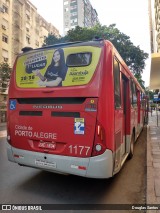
[(30, 113), (64, 100), (66, 114)]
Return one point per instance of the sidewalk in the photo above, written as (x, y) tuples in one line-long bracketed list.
[(3, 132), (2, 125), (153, 160)]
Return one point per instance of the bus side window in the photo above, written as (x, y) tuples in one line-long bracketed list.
[(133, 94), (142, 101), (117, 93)]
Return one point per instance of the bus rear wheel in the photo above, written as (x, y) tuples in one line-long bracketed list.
[(131, 147)]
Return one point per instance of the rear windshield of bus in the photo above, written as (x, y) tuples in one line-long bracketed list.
[(71, 66)]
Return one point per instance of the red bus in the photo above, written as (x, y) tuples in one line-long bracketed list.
[(74, 108)]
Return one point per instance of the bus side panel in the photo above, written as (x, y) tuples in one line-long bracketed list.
[(106, 99)]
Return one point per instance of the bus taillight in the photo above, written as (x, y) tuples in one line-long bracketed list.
[(99, 143)]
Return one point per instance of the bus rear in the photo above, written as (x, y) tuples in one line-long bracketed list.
[(53, 111)]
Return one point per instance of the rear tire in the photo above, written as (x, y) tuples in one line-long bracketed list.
[(131, 153)]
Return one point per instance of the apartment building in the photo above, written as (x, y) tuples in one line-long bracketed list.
[(154, 15), (78, 13), (157, 24), (20, 26)]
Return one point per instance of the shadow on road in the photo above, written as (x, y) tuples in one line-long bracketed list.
[(68, 188)]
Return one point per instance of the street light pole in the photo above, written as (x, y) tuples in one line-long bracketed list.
[(157, 112)]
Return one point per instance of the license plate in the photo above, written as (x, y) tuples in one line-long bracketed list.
[(47, 145), (44, 163)]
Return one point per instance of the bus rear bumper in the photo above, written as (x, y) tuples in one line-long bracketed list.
[(94, 167)]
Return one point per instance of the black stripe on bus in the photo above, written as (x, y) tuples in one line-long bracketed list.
[(79, 100), (66, 114), (30, 113)]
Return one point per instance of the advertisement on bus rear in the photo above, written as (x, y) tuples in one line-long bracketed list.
[(57, 67)]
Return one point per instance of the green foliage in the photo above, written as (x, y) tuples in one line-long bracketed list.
[(139, 78), (149, 93), (52, 39), (5, 72), (132, 55)]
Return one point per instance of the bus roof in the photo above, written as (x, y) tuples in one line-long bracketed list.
[(95, 42)]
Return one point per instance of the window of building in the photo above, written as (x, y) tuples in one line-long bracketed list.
[(37, 31), (73, 3), (117, 91), (73, 10), (73, 7), (74, 14), (4, 98), (66, 9), (4, 24), (5, 9), (28, 39), (27, 29), (28, 11), (66, 29), (66, 2), (28, 17), (37, 43), (5, 38), (5, 55), (73, 20), (4, 27), (66, 24), (5, 59), (74, 24)]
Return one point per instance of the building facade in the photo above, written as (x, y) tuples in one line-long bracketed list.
[(20, 26), (78, 13), (157, 24), (154, 15)]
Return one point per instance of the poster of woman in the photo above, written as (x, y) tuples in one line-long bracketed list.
[(56, 71)]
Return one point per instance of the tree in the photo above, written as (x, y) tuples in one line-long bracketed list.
[(141, 82), (52, 39), (132, 55), (149, 93), (5, 72)]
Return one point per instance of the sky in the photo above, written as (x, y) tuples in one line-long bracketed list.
[(130, 17)]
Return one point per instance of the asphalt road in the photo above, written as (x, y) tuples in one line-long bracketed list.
[(22, 185)]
